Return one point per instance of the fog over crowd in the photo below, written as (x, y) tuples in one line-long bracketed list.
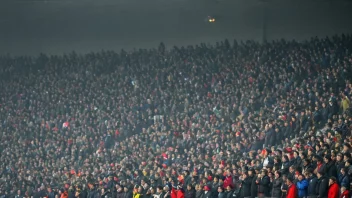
[(234, 119)]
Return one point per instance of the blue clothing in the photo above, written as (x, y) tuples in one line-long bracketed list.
[(344, 180), (302, 187)]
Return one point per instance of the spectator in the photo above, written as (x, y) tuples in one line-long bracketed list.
[(143, 117), (292, 189), (344, 193), (302, 186), (322, 185), (207, 192), (199, 191), (277, 184), (221, 192), (263, 182), (329, 166), (333, 188), (190, 192), (312, 183), (344, 179), (246, 183)]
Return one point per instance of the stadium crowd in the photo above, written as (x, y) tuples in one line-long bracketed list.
[(238, 119)]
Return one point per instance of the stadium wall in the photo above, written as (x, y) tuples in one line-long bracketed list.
[(58, 26)]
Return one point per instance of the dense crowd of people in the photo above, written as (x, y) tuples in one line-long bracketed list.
[(238, 119)]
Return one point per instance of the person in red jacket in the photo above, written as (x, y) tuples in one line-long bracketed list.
[(344, 192), (292, 191), (177, 192), (333, 188), (228, 180), (180, 192)]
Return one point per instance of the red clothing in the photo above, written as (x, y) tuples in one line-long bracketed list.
[(177, 193), (333, 191), (173, 193), (345, 194), (292, 191), (180, 194), (228, 181), (64, 195)]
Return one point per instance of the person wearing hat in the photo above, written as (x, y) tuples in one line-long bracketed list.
[(333, 188), (207, 193), (322, 184)]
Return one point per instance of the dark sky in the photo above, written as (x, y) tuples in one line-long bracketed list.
[(58, 26)]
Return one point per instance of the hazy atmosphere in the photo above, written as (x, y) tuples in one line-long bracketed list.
[(58, 26), (228, 116)]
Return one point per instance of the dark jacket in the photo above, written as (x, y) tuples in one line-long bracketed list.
[(344, 180), (297, 162), (199, 194), (270, 137), (83, 193), (330, 169), (119, 194), (285, 167), (188, 180), (190, 193), (51, 194), (214, 189), (276, 191), (264, 185), (94, 193), (312, 186), (229, 194), (207, 195), (322, 187), (246, 187), (127, 194), (166, 195), (222, 195), (254, 188)]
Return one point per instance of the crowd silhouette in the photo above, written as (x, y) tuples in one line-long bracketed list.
[(234, 119)]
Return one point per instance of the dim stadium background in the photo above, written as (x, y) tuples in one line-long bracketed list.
[(29, 27)]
